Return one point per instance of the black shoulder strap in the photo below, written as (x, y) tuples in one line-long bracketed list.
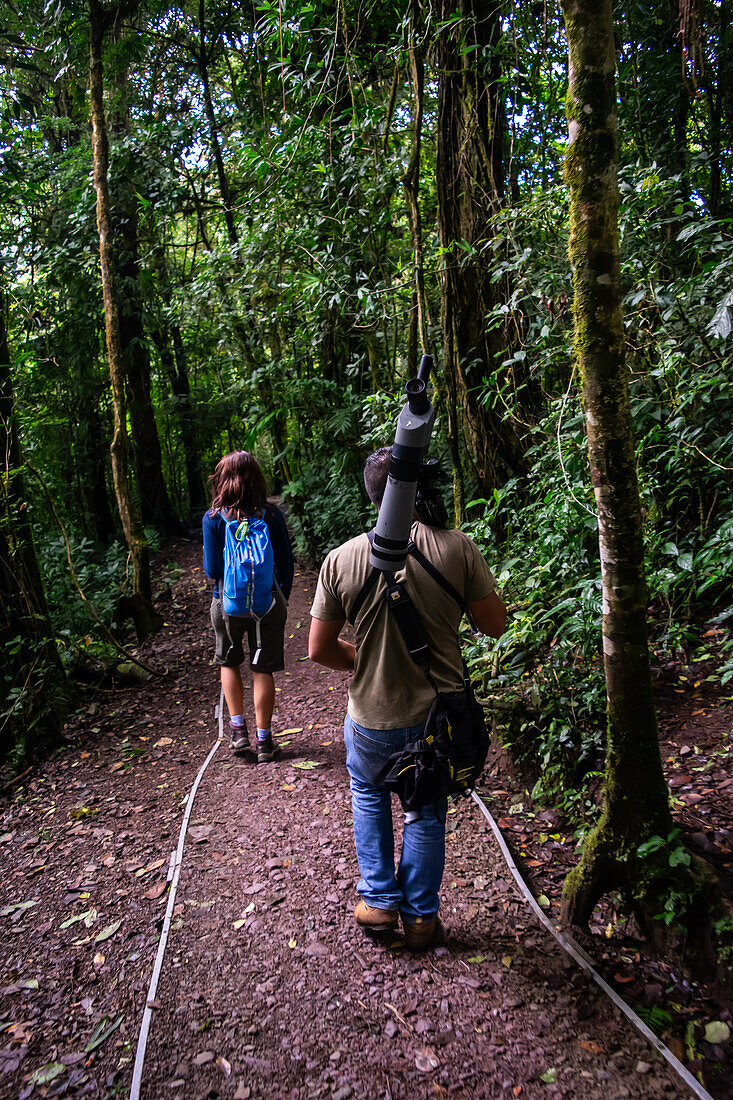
[(403, 610), (362, 594), (365, 589), (437, 576), (444, 583)]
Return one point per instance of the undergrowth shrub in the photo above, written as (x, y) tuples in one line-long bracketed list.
[(327, 507), (547, 563), (102, 575)]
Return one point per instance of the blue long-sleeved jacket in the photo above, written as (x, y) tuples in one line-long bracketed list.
[(213, 527)]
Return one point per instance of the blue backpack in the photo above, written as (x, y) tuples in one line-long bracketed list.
[(249, 571)]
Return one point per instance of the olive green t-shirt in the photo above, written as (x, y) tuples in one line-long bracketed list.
[(388, 690)]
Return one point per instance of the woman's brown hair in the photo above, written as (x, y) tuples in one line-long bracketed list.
[(237, 486)]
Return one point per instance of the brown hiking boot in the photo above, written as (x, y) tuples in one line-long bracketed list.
[(423, 933), (266, 750), (378, 920), (239, 738)]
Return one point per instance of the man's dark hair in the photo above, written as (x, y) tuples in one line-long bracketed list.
[(376, 469)]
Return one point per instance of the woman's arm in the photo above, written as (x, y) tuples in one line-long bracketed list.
[(281, 548), (213, 547)]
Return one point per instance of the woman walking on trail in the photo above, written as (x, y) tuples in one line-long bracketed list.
[(238, 493)]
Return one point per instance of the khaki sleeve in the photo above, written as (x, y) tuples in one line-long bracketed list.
[(480, 580), (326, 602)]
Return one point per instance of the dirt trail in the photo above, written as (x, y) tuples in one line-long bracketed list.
[(268, 989)]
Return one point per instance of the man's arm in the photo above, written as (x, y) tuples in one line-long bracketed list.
[(489, 614), (326, 648)]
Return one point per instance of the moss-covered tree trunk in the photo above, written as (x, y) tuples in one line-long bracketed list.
[(470, 191), (141, 606), (34, 692), (635, 798)]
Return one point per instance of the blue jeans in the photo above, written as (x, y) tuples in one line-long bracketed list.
[(414, 889)]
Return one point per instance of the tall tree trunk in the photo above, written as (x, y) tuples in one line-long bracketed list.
[(34, 688), (155, 505), (470, 191), (202, 60), (182, 389), (725, 71), (145, 619), (634, 798), (411, 185), (167, 338), (245, 327)]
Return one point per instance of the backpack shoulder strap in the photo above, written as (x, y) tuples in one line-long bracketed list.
[(404, 613), (365, 589), (362, 594)]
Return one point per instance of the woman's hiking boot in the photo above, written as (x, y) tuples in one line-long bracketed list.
[(266, 750), (423, 933), (374, 919), (239, 737)]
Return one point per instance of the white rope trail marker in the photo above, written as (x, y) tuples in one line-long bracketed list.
[(174, 873), (585, 962)]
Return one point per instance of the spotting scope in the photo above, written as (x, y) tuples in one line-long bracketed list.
[(412, 439)]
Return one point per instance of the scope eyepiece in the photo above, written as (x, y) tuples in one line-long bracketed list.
[(417, 396)]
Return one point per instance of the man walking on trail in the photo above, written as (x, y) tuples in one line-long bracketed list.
[(389, 699)]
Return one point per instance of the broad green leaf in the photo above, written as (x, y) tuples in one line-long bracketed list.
[(717, 1032), (88, 917), (47, 1073), (107, 932)]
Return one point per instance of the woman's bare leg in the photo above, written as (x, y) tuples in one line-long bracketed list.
[(263, 693), (231, 681)]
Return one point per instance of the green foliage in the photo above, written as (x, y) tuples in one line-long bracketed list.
[(327, 508), (658, 1019), (666, 861), (101, 574)]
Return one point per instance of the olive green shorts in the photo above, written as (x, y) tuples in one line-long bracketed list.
[(230, 634)]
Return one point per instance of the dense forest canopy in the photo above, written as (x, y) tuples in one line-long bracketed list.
[(303, 198)]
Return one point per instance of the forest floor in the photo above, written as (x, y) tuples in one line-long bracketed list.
[(267, 987)]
